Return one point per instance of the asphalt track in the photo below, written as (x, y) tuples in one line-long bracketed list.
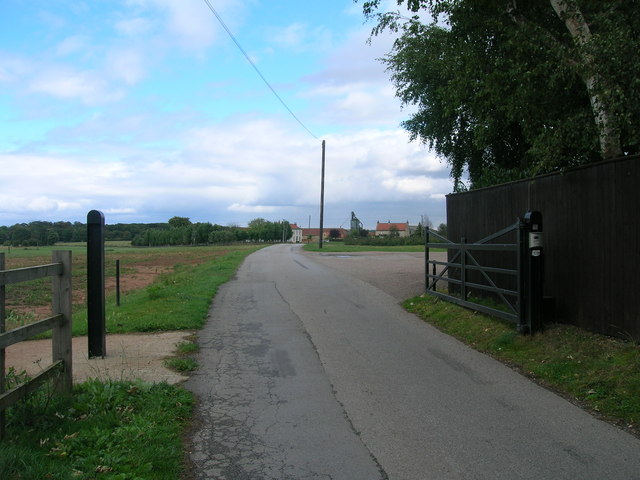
[(309, 372)]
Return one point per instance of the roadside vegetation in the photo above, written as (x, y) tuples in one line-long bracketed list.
[(600, 374), (106, 430), (162, 288), (112, 429)]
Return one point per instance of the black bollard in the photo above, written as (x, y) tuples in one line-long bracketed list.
[(95, 284)]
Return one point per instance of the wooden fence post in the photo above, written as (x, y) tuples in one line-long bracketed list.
[(2, 355), (61, 303)]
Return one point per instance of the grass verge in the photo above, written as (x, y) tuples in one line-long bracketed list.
[(120, 430), (175, 301), (599, 373), (183, 362), (106, 430)]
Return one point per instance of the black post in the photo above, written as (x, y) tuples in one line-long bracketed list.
[(523, 322), (117, 283), (534, 271), (322, 201), (425, 230), (463, 268), (95, 284)]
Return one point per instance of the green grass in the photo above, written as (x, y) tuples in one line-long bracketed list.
[(175, 301), (600, 373), (120, 430), (106, 430), (339, 247), (185, 348), (181, 364)]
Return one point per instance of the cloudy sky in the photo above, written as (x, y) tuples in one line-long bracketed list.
[(146, 109)]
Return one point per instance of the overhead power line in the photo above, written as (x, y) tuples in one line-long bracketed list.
[(224, 25)]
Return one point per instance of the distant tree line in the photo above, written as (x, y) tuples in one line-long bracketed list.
[(41, 233), (177, 231), (180, 231)]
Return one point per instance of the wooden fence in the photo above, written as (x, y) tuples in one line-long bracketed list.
[(59, 323), (591, 238)]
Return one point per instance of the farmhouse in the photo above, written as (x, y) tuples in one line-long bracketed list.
[(392, 229), (310, 235), (296, 236)]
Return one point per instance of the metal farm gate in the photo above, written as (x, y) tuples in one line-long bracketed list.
[(474, 271)]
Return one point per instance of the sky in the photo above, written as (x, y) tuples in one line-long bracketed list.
[(147, 109)]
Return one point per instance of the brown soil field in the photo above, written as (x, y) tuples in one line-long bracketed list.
[(138, 268)]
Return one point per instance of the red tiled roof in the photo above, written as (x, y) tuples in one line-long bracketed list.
[(383, 227)]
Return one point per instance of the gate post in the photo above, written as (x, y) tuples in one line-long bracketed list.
[(463, 268), (95, 284), (425, 229), (61, 344), (523, 324), (534, 271)]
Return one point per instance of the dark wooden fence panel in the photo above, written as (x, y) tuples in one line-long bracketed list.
[(591, 241)]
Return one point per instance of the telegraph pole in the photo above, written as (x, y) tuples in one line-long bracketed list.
[(322, 200)]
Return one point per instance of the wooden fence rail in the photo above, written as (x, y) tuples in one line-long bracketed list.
[(59, 324)]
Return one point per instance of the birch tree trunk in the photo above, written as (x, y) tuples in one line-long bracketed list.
[(569, 12)]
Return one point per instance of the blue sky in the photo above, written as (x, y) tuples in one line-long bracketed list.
[(146, 109)]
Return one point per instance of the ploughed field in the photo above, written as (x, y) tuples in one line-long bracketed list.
[(139, 267)]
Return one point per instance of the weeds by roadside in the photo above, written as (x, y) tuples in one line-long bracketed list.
[(105, 430), (113, 429), (175, 301), (600, 373), (183, 362)]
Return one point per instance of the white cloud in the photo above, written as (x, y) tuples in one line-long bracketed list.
[(119, 211), (134, 26), (68, 83), (411, 185), (159, 154), (301, 37), (127, 65), (13, 68), (189, 24), (71, 45), (237, 207)]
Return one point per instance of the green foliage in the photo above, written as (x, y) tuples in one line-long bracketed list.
[(181, 364), (187, 347), (175, 301), (179, 222), (603, 373), (183, 232), (501, 89), (390, 241), (47, 233), (111, 430), (266, 231)]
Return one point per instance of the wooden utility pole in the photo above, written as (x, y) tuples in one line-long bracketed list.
[(322, 200)]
